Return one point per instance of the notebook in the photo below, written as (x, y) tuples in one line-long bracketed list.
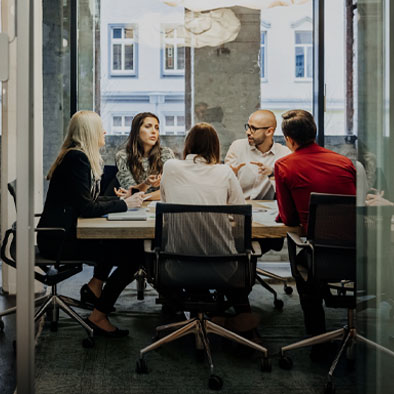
[(132, 214)]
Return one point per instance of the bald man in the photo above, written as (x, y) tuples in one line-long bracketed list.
[(252, 159)]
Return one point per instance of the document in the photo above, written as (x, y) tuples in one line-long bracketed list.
[(131, 214)]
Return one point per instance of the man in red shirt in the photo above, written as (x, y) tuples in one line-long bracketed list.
[(310, 168)]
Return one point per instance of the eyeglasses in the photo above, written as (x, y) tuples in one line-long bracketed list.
[(253, 129)]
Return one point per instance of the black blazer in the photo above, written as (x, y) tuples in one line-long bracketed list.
[(69, 197)]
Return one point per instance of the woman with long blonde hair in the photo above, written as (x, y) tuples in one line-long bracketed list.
[(73, 192)]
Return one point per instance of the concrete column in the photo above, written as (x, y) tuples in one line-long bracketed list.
[(86, 60), (227, 80)]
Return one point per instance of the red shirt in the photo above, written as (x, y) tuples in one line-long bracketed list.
[(310, 169)]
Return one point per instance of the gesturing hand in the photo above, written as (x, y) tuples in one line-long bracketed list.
[(122, 192), (135, 200), (237, 168), (262, 168), (153, 180)]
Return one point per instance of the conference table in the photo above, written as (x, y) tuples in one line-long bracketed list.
[(101, 228)]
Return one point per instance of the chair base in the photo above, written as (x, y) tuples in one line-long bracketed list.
[(349, 337), (200, 327), (54, 301), (278, 303)]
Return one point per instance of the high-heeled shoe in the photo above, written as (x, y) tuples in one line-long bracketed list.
[(97, 331), (89, 298)]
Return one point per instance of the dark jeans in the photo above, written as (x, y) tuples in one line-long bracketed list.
[(311, 295), (125, 255)]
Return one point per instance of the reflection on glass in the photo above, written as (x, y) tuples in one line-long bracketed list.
[(286, 61), (117, 57), (129, 60)]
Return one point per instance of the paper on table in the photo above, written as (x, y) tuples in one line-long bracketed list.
[(267, 214), (269, 205)]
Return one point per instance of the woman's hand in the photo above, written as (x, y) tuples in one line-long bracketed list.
[(153, 180), (134, 201), (122, 192)]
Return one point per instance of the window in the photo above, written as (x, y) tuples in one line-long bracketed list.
[(263, 55), (174, 124), (123, 50), (303, 55), (173, 50), (121, 124)]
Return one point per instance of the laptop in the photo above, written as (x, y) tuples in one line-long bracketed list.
[(131, 214)]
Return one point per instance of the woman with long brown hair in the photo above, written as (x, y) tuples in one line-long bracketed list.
[(140, 163)]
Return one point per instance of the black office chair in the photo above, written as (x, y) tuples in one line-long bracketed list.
[(199, 253), (108, 180), (261, 273), (53, 272), (329, 253)]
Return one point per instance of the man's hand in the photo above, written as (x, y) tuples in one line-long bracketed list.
[(237, 168), (262, 168), (377, 200)]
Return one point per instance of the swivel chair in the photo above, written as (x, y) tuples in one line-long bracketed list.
[(329, 255), (200, 253), (53, 272)]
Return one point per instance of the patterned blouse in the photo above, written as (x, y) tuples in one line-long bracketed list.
[(124, 175)]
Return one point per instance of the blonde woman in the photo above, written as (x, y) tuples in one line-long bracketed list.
[(74, 192)]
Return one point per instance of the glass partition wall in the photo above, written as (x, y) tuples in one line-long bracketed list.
[(129, 56), (374, 226)]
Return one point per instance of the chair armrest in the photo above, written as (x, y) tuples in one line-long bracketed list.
[(148, 246), (256, 249), (296, 239)]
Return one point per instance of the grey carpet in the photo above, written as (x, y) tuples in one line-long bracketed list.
[(64, 366)]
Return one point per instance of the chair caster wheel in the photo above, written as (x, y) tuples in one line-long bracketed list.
[(1, 325), (141, 366), (278, 304), (329, 389), (215, 382), (88, 343), (53, 326), (285, 362), (266, 365), (288, 290)]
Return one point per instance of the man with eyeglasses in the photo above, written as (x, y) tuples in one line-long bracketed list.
[(252, 159)]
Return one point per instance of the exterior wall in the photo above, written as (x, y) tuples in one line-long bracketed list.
[(148, 90)]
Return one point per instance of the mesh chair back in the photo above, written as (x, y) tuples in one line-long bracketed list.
[(332, 231), (203, 246)]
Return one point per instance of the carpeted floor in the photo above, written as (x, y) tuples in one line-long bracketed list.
[(64, 366)]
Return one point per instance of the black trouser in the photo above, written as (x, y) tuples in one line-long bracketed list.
[(125, 255), (311, 295), (267, 244)]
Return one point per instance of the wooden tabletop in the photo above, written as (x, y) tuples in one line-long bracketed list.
[(101, 228)]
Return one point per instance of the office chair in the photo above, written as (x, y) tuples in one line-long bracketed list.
[(278, 303), (53, 272), (108, 180), (199, 253), (329, 253)]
